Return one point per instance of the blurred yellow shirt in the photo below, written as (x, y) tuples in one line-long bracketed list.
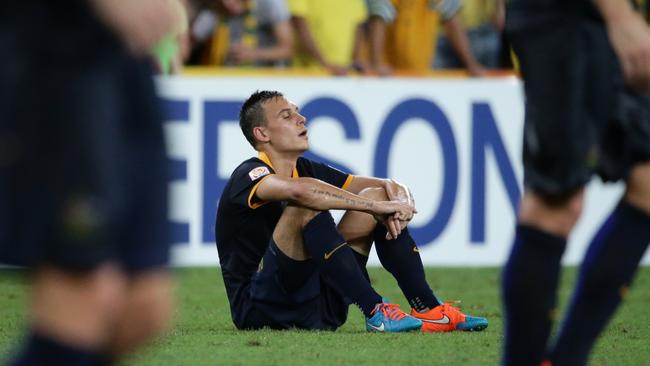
[(333, 24), (477, 12), (410, 39)]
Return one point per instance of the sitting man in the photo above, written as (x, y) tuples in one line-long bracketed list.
[(285, 263)]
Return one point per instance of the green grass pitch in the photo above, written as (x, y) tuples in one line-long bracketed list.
[(204, 334)]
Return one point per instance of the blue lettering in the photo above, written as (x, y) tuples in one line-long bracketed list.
[(333, 108), (178, 111), (485, 134), (214, 114), (429, 112)]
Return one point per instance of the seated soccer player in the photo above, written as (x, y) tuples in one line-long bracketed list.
[(284, 261)]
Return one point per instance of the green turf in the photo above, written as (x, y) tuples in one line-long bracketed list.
[(204, 334)]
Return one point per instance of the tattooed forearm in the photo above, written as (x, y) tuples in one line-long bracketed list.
[(363, 204)]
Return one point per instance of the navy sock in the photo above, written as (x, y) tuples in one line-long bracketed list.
[(337, 263), (42, 350), (530, 280), (401, 258), (607, 271), (362, 261)]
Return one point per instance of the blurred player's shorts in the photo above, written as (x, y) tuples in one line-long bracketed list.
[(581, 120), (83, 175)]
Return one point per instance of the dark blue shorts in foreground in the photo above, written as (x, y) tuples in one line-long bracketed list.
[(266, 302), (83, 173), (580, 118)]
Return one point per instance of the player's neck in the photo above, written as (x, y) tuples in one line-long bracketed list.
[(282, 163)]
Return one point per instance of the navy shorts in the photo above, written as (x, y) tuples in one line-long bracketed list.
[(270, 301), (580, 118), (83, 173)]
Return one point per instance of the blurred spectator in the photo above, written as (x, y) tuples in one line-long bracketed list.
[(369, 44), (172, 51), (411, 37), (326, 32), (484, 21), (240, 32)]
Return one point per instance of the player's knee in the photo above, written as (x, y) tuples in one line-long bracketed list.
[(151, 303), (107, 298), (374, 193), (301, 215), (154, 316), (556, 214), (78, 307), (638, 187)]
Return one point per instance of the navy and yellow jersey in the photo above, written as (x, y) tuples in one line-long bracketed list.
[(245, 223)]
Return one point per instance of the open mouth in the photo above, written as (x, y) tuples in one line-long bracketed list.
[(302, 134)]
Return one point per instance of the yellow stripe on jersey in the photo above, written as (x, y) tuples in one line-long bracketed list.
[(348, 181), (253, 190), (265, 158)]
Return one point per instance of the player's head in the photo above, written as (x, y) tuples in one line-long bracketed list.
[(268, 118), (251, 114)]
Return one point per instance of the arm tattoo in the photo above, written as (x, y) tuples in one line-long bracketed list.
[(349, 201)]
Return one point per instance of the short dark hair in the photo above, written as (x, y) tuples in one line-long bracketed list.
[(251, 114)]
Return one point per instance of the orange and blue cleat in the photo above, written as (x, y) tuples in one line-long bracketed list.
[(446, 318), (387, 317)]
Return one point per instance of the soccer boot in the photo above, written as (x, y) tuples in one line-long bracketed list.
[(445, 318), (387, 317)]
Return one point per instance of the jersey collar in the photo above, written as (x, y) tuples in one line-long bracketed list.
[(265, 158)]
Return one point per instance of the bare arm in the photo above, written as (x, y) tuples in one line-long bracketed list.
[(459, 41), (500, 15), (358, 62), (139, 23), (318, 195), (377, 37), (381, 13), (303, 34), (395, 190), (360, 182), (630, 38), (283, 49)]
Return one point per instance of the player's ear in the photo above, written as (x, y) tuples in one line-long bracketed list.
[(261, 134)]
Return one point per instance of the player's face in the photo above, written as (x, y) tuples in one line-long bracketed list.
[(285, 126)]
